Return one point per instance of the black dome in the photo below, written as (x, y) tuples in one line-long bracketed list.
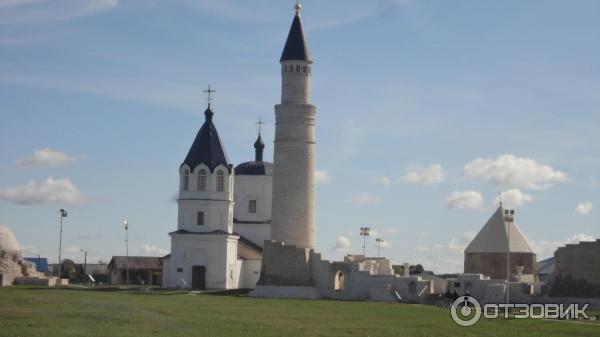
[(254, 168)]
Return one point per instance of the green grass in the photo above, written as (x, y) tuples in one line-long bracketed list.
[(31, 312)]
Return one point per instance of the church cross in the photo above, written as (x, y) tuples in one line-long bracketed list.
[(209, 92), (260, 124)]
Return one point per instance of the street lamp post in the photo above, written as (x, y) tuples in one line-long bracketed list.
[(127, 248), (364, 232), (379, 242), (84, 260), (63, 214), (509, 218)]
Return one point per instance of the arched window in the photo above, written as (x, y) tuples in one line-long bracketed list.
[(220, 181), (251, 206), (202, 180), (297, 68), (339, 281), (186, 180), (304, 69)]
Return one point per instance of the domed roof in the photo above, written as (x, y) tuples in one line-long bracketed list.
[(254, 168), (7, 240)]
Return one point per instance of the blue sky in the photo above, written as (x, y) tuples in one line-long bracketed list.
[(426, 111)]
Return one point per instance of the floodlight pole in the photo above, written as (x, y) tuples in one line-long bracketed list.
[(127, 249), (379, 242), (62, 214), (508, 263), (364, 232)]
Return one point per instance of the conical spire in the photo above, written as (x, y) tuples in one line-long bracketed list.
[(296, 47), (207, 148), (492, 237)]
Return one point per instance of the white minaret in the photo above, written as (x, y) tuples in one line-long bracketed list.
[(293, 217)]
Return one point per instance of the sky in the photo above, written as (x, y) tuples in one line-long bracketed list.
[(426, 112)]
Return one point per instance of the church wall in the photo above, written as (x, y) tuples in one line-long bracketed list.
[(217, 215), (210, 191), (249, 273), (218, 253), (249, 187), (257, 233)]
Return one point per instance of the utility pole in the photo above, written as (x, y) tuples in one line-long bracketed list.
[(63, 214), (127, 248)]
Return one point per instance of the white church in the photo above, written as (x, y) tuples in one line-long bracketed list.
[(223, 218)]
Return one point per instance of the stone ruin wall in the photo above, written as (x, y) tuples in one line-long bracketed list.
[(494, 264)]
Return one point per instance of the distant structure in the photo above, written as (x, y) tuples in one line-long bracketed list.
[(577, 270), (144, 270), (488, 252), (16, 270)]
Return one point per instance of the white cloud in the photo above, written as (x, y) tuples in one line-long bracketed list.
[(464, 199), (383, 180), (385, 244), (72, 249), (510, 171), (342, 244), (14, 12), (46, 157), (422, 248), (425, 176), (580, 237), (584, 208), (514, 198), (49, 191), (545, 248), (363, 199), (322, 177), (153, 250)]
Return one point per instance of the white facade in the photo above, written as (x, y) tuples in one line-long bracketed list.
[(253, 221)]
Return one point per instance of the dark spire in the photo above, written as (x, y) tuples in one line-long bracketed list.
[(259, 146), (207, 148), (296, 47)]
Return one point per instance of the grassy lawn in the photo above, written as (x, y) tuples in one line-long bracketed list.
[(31, 312)]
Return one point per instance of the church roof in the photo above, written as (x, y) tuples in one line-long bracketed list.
[(207, 148), (7, 240), (254, 168), (296, 47), (492, 237)]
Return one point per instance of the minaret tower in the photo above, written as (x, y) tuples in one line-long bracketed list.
[(293, 217)]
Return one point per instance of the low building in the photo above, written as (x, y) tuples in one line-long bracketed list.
[(41, 263), (143, 270)]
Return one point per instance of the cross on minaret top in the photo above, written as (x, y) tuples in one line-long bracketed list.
[(209, 92), (260, 123)]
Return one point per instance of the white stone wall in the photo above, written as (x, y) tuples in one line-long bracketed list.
[(218, 253), (250, 187), (217, 206), (257, 233)]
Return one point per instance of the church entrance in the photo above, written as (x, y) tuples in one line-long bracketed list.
[(198, 277)]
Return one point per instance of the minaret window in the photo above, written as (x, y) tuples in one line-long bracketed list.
[(298, 69), (220, 181), (252, 206), (200, 219), (304, 69), (186, 180), (202, 180)]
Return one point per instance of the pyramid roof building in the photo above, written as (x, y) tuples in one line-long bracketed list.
[(492, 238)]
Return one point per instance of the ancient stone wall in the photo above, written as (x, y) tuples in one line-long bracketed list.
[(579, 262), (493, 265)]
